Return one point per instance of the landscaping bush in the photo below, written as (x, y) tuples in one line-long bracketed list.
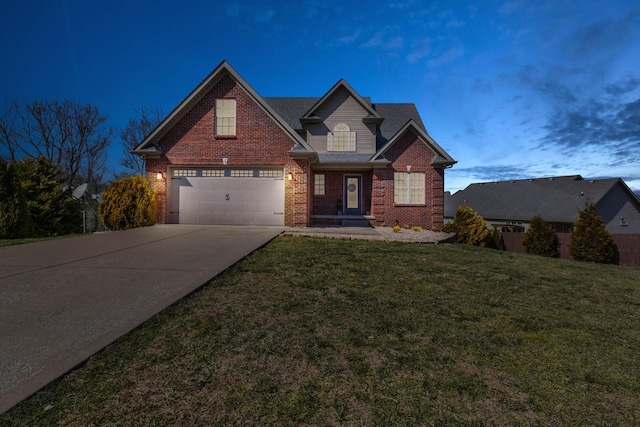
[(128, 203), (470, 227), (540, 239), (590, 241)]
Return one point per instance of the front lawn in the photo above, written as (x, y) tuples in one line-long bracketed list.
[(332, 332)]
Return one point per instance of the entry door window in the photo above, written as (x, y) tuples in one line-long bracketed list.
[(352, 194)]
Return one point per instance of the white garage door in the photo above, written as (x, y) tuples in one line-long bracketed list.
[(227, 196)]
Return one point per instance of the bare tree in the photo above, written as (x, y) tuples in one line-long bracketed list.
[(74, 137), (135, 132), (9, 129)]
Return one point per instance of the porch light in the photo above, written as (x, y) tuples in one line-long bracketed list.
[(159, 176), (225, 160), (408, 168), (290, 176)]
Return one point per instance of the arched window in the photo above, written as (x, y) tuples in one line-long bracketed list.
[(341, 139)]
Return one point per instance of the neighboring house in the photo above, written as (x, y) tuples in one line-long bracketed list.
[(226, 155), (509, 205)]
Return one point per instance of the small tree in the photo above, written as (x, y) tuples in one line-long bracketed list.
[(590, 241), (53, 211), (470, 227), (540, 239), (128, 203)]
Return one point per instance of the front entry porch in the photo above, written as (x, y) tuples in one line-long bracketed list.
[(341, 198)]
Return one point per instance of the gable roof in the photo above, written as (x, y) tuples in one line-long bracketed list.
[(555, 199), (372, 114), (146, 147), (442, 158), (289, 113), (292, 109)]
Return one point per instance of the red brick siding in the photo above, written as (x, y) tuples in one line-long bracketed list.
[(259, 141), (409, 150)]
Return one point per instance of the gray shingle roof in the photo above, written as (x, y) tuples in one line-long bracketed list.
[(291, 109), (395, 115), (555, 199), (344, 158)]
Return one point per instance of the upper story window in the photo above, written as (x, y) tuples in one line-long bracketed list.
[(225, 117), (341, 139)]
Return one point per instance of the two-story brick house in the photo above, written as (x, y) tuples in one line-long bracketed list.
[(226, 155)]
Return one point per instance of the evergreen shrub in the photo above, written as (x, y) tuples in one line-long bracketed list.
[(15, 221), (53, 211), (590, 240), (540, 239)]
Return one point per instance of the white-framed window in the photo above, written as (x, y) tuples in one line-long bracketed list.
[(244, 173), (318, 184), (408, 188), (213, 172), (225, 117), (341, 139), (184, 172), (271, 173)]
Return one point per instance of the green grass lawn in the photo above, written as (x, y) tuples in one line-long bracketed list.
[(332, 332)]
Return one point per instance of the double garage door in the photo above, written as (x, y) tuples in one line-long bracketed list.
[(227, 196)]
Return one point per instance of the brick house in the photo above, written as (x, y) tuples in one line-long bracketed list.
[(226, 155)]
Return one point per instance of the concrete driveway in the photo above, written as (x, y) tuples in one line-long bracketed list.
[(63, 300)]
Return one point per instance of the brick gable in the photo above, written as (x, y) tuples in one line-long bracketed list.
[(259, 141), (409, 150)]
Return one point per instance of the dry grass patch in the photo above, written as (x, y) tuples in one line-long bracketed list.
[(329, 332)]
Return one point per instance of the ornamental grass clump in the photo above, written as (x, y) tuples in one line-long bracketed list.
[(128, 203), (540, 239)]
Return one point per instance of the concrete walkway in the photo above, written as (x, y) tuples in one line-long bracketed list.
[(62, 301)]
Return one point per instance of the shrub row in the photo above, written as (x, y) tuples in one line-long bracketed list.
[(590, 241)]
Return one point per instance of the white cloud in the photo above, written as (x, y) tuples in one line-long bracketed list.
[(394, 43), (419, 50), (350, 38), (449, 56), (374, 41)]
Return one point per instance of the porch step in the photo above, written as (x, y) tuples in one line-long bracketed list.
[(355, 223)]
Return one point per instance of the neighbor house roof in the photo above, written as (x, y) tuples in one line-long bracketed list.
[(555, 199)]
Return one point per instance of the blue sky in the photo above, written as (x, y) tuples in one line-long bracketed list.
[(511, 89)]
